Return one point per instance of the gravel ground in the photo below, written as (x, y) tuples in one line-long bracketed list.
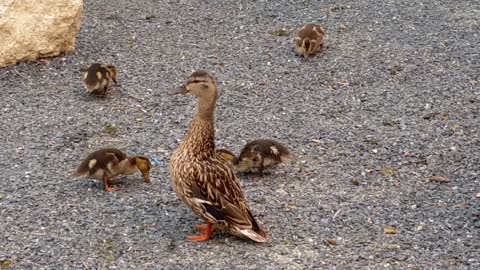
[(392, 101)]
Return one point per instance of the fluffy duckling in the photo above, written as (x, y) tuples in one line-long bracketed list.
[(203, 179), (262, 154), (97, 78), (309, 40), (106, 163), (227, 155)]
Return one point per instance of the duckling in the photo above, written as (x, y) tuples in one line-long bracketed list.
[(97, 78), (204, 180), (106, 163), (309, 40), (262, 154), (227, 155)]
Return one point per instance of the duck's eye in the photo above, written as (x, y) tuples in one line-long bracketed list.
[(197, 81)]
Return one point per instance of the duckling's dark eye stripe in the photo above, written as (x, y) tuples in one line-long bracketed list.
[(198, 81)]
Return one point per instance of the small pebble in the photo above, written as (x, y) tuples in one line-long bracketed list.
[(439, 179), (331, 242), (157, 161)]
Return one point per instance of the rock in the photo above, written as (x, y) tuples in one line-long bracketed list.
[(32, 29), (439, 179)]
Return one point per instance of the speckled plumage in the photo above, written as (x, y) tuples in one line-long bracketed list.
[(104, 164), (97, 78), (262, 153), (103, 158), (309, 39), (201, 178)]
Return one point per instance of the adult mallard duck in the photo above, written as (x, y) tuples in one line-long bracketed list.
[(202, 179), (106, 163)]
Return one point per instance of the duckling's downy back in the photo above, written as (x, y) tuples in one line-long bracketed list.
[(97, 77), (99, 160)]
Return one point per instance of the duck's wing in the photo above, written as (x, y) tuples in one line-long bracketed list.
[(215, 193)]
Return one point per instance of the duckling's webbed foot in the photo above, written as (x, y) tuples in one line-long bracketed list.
[(106, 187), (205, 230)]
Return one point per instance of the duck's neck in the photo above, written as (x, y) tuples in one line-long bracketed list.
[(201, 133)]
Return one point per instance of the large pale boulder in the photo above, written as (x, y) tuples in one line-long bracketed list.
[(31, 29)]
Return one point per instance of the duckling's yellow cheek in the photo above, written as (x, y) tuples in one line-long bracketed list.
[(99, 75), (244, 165), (268, 162)]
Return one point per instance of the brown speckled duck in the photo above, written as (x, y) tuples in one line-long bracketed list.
[(202, 179), (262, 154), (97, 78), (106, 163), (309, 40)]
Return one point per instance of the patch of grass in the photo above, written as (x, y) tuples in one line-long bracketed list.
[(106, 250), (390, 230), (280, 32), (4, 264), (111, 129), (388, 171), (337, 8)]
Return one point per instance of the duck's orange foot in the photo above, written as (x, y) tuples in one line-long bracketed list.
[(111, 189), (106, 187), (205, 230)]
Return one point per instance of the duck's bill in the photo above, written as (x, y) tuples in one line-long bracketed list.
[(179, 90), (146, 177)]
